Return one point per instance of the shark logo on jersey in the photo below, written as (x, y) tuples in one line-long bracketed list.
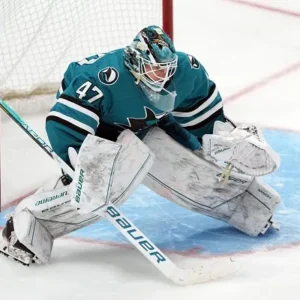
[(193, 61), (108, 75), (137, 124)]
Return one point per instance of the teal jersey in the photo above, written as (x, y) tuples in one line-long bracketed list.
[(99, 95)]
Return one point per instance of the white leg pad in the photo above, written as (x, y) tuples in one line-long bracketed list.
[(33, 234), (254, 211), (108, 171), (54, 211), (50, 213), (47, 215), (192, 182)]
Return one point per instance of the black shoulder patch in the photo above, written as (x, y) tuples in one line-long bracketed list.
[(193, 61), (108, 75)]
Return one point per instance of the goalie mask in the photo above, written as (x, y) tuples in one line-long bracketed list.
[(152, 60)]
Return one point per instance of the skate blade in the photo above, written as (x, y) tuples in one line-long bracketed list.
[(24, 260)]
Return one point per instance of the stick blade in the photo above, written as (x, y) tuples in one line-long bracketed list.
[(219, 269)]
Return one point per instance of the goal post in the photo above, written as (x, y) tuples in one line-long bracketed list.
[(167, 17)]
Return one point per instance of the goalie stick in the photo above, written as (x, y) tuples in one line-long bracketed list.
[(181, 276)]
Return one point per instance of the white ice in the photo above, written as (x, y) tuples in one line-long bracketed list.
[(240, 46)]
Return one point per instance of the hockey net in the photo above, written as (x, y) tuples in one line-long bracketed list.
[(39, 38)]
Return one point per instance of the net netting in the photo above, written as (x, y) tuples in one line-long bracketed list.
[(39, 38)]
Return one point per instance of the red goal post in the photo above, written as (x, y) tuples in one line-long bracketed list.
[(168, 17)]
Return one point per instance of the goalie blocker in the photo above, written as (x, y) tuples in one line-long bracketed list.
[(245, 202)]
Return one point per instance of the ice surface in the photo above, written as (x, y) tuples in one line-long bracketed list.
[(253, 56)]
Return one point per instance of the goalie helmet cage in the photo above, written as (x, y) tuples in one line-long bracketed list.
[(39, 38)]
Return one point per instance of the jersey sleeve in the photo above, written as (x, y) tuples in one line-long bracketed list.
[(75, 114), (178, 133), (67, 79), (203, 106)]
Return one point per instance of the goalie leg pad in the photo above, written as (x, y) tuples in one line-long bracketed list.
[(253, 213), (33, 235), (109, 172), (193, 183), (52, 208), (47, 215)]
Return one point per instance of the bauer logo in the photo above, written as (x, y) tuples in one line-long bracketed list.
[(79, 186), (136, 235), (108, 76)]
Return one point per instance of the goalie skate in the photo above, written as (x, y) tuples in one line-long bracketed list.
[(12, 248), (18, 255)]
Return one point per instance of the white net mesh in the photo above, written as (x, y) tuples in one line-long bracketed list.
[(39, 38)]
